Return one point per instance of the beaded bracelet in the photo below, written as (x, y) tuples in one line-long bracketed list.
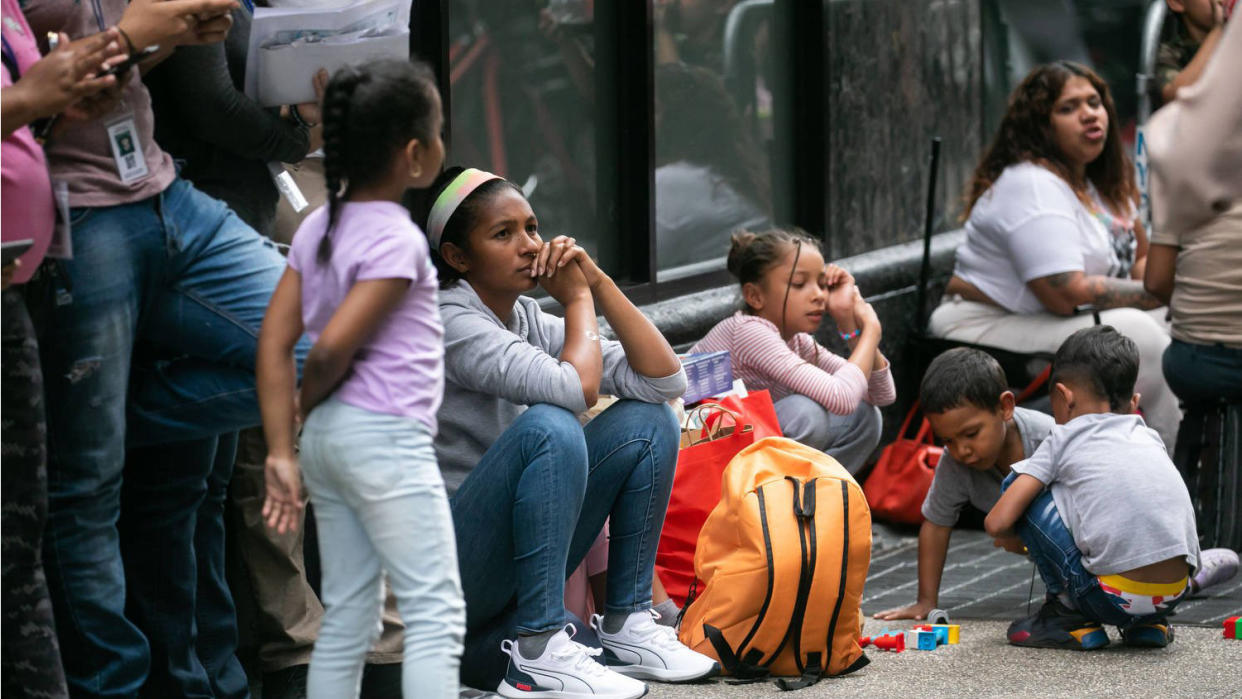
[(851, 335)]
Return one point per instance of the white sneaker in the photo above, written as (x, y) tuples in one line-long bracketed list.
[(566, 670), (647, 650), (1215, 567)]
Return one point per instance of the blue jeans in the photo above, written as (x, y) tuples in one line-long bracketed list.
[(179, 273), (380, 501), (1056, 556), (1199, 373), (531, 509)]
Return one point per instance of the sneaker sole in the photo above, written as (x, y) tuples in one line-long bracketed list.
[(659, 674), (1080, 639), (510, 692)]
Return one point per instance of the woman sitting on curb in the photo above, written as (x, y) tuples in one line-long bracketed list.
[(533, 487)]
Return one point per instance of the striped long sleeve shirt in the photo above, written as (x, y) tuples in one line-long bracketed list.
[(763, 360)]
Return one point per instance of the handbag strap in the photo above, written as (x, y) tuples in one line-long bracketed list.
[(710, 416), (924, 433)]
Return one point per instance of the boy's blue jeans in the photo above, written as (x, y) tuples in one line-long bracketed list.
[(181, 273), (1051, 546), (531, 509)]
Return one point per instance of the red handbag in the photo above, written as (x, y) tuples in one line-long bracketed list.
[(902, 476), (729, 426)]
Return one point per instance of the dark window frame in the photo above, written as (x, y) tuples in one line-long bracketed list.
[(625, 128)]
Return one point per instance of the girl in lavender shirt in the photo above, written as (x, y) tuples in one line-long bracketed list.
[(361, 283)]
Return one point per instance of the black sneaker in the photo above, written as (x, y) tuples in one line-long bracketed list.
[(1057, 626), (1148, 636)]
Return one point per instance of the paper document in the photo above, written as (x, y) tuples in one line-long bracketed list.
[(287, 46)]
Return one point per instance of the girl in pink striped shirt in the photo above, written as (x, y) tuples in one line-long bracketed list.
[(822, 399)]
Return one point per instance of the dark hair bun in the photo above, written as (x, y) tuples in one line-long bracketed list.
[(739, 248)]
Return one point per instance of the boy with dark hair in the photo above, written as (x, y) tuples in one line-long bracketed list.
[(966, 398), (1100, 506)]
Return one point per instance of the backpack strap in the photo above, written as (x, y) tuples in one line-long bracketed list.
[(845, 565), (810, 675), (746, 668)]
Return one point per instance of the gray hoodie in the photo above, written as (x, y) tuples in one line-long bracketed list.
[(492, 371)]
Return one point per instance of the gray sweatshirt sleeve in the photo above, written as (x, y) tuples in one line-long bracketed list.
[(480, 355), (619, 378)]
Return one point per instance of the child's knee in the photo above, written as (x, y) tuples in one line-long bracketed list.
[(868, 424)]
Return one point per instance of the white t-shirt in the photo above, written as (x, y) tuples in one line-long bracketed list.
[(1029, 225)]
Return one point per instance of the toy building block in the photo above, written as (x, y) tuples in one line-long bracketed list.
[(922, 640), (864, 641), (937, 616), (1233, 627), (952, 632), (941, 631), (895, 642)]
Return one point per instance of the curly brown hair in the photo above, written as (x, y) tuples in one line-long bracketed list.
[(1026, 135)]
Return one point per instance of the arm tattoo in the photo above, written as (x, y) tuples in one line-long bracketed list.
[(1057, 281), (1110, 292)]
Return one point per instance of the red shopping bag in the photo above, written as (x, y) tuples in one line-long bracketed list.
[(757, 408), (903, 474), (730, 425)]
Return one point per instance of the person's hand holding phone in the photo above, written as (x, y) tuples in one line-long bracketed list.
[(68, 74)]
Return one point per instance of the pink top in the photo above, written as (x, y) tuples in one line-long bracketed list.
[(399, 370), (26, 206), (763, 360)]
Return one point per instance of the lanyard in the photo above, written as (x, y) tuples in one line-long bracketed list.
[(10, 61), (99, 15)]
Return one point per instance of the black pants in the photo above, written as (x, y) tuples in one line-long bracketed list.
[(29, 656)]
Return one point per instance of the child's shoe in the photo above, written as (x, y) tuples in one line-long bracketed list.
[(1148, 636), (566, 670), (644, 649), (1215, 567), (1057, 626)]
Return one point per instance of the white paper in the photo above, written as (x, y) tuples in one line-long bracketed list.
[(288, 188), (289, 45)]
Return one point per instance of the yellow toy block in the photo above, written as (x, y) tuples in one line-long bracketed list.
[(953, 629)]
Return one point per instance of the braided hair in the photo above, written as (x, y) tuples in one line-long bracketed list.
[(370, 112)]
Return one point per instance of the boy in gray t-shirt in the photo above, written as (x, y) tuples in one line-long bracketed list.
[(1100, 506), (966, 399)]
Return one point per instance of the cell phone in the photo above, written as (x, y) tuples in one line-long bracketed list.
[(123, 67), (15, 249)]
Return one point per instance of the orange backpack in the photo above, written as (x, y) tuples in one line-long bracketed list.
[(783, 558)]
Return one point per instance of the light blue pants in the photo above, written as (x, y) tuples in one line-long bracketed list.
[(380, 505), (849, 439)]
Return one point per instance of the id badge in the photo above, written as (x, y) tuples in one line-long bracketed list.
[(61, 247), (131, 164)]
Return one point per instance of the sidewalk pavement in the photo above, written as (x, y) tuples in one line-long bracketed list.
[(1199, 663)]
